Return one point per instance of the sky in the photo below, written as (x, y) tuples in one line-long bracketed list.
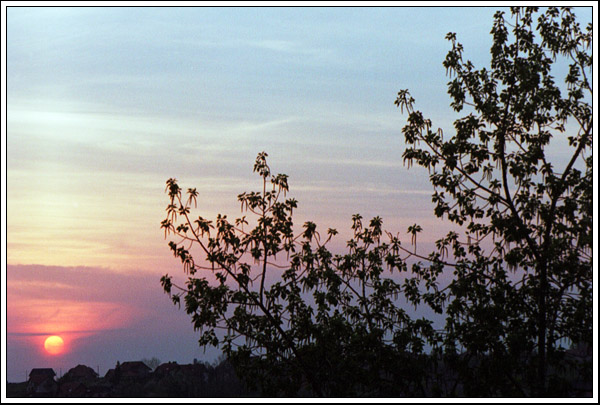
[(103, 105)]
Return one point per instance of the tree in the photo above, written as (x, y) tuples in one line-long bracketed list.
[(328, 326), (523, 273), (296, 319)]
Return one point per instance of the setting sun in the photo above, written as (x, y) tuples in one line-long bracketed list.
[(54, 345)]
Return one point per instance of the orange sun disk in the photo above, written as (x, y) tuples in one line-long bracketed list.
[(54, 345)]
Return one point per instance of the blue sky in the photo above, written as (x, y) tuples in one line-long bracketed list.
[(105, 104), (110, 102)]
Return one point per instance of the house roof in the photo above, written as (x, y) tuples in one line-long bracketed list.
[(134, 368), (42, 371), (166, 368), (81, 371), (39, 375)]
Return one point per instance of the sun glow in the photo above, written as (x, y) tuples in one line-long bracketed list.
[(54, 345)]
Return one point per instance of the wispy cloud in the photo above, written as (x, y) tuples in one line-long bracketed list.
[(289, 47), (273, 45)]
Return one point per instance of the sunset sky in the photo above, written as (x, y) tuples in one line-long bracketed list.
[(105, 104)]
